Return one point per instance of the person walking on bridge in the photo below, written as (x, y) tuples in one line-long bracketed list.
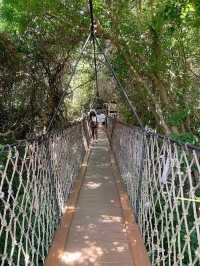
[(101, 119), (93, 125)]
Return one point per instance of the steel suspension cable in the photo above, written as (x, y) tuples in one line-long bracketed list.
[(123, 90), (80, 85), (68, 84), (94, 46)]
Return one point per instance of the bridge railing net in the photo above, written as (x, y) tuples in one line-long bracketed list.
[(163, 183), (35, 182)]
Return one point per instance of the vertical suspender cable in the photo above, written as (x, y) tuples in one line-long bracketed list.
[(130, 104), (94, 46)]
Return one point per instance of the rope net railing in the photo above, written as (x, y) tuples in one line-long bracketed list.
[(35, 181), (163, 183)]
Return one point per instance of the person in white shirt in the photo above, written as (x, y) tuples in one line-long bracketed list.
[(101, 118), (98, 118)]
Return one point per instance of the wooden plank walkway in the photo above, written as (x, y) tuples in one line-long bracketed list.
[(97, 235)]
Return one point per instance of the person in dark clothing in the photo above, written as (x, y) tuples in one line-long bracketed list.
[(93, 125)]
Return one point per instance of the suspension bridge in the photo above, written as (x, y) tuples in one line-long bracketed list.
[(131, 198)]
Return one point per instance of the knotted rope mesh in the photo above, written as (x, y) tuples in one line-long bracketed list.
[(35, 182), (163, 183)]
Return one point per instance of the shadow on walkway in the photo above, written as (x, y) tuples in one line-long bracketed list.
[(96, 234)]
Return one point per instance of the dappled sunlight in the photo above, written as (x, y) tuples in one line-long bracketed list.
[(118, 247), (89, 254), (92, 185), (90, 226), (93, 252), (110, 219), (84, 164), (68, 257), (69, 209), (98, 176)]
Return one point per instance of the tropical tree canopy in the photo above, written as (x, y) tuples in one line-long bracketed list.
[(153, 46)]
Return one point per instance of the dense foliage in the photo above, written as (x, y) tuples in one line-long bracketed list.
[(153, 45), (156, 55), (39, 41)]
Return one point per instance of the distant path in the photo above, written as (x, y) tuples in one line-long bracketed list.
[(96, 234)]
